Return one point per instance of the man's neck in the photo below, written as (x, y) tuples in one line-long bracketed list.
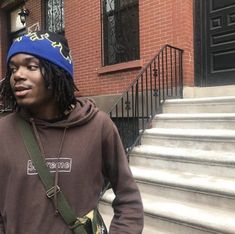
[(45, 113)]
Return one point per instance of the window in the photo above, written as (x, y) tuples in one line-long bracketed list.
[(54, 15), (120, 31)]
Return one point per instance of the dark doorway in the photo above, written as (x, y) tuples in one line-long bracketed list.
[(215, 42)]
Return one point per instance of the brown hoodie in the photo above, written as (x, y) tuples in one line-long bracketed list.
[(89, 146)]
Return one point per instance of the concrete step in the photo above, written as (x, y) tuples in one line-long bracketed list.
[(215, 91), (224, 104), (152, 225), (198, 188), (205, 139), (183, 216), (195, 120), (215, 163), (185, 165)]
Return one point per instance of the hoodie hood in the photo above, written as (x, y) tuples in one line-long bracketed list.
[(82, 113)]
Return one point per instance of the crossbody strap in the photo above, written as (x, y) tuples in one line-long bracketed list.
[(46, 177)]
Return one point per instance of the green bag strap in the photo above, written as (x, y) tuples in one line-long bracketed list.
[(47, 179)]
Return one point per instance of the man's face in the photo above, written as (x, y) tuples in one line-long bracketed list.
[(28, 85)]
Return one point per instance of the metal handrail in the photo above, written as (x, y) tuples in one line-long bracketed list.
[(160, 79)]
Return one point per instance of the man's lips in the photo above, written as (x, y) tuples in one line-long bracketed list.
[(21, 90)]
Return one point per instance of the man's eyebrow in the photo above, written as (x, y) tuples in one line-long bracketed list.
[(12, 63), (25, 60), (29, 59)]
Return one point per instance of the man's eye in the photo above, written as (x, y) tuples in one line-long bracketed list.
[(33, 67), (13, 69)]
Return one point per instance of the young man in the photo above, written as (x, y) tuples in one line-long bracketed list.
[(80, 144)]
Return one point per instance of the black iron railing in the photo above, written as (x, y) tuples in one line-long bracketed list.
[(160, 79)]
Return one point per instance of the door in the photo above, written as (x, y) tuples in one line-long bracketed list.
[(218, 42)]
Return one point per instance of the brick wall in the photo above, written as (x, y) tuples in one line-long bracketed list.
[(83, 30), (161, 22), (35, 16), (168, 22), (3, 41)]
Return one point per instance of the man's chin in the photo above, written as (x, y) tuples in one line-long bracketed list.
[(24, 104)]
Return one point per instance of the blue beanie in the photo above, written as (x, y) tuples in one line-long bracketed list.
[(46, 45)]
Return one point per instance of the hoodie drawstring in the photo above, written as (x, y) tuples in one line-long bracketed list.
[(56, 179), (57, 170)]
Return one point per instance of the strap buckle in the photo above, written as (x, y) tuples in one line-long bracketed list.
[(82, 221), (78, 222), (52, 191)]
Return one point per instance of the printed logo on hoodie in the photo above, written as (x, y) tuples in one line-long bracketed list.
[(63, 164)]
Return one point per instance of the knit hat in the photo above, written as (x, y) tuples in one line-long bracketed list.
[(46, 45)]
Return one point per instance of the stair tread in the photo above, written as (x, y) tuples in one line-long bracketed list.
[(221, 186), (182, 116), (212, 91), (186, 154), (201, 100), (221, 133), (193, 214)]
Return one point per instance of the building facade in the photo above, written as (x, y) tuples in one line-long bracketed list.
[(111, 40)]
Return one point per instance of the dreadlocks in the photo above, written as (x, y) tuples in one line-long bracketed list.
[(6, 94), (61, 83), (56, 79)]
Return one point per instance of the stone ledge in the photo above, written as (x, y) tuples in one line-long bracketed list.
[(120, 67)]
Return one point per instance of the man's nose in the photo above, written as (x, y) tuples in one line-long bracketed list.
[(19, 73)]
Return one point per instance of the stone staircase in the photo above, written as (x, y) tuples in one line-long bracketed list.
[(185, 168)]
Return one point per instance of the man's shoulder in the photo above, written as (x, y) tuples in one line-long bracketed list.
[(103, 116), (6, 119)]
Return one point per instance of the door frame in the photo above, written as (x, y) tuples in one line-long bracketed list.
[(199, 48)]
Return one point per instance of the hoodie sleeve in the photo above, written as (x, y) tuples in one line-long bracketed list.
[(1, 226), (127, 205)]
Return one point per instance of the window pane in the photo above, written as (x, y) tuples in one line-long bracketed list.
[(120, 31), (55, 15)]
